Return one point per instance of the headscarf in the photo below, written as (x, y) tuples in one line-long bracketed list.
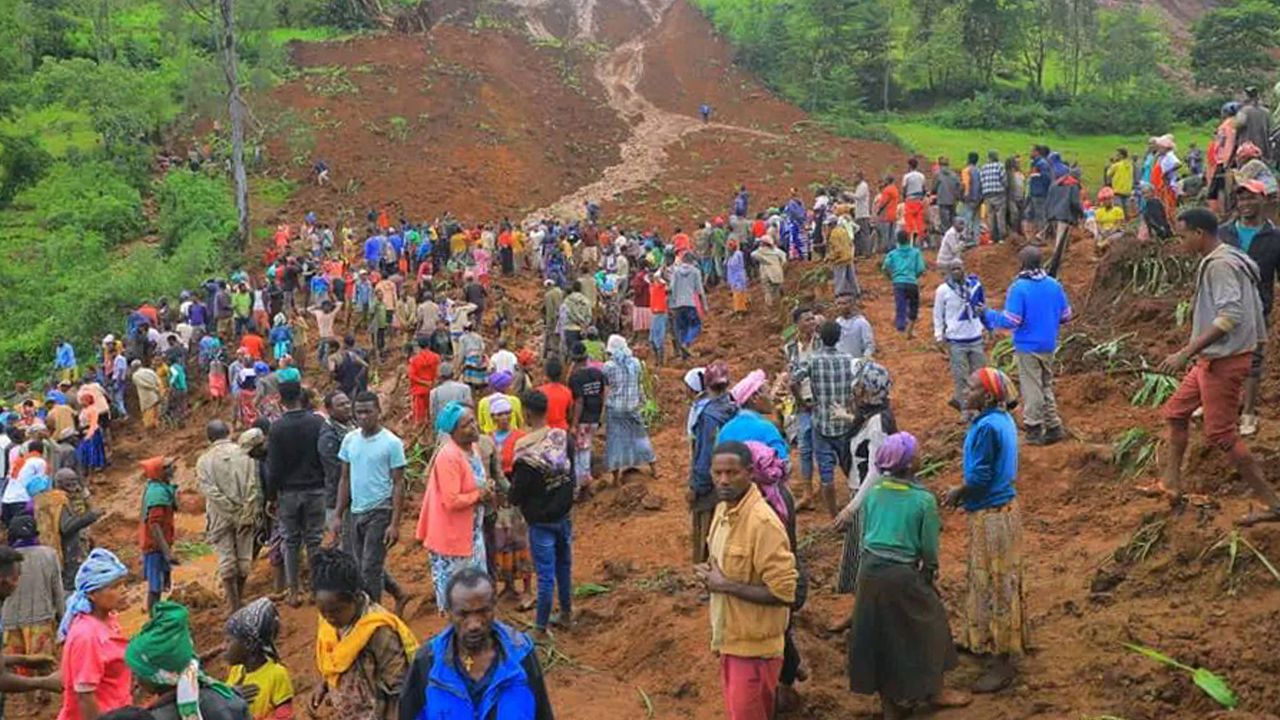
[(997, 385), (747, 387), (525, 357), (447, 420), (1166, 142), (251, 438), (875, 382), (279, 319), (100, 569), (257, 625), (153, 467), (617, 347), (693, 379), (547, 450), (23, 532), (896, 452), (501, 380), (163, 654), (768, 473), (716, 374), (499, 404)]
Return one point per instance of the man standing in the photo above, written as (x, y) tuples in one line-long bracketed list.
[(958, 329), (551, 302), (971, 181), (913, 201), (446, 391), (1038, 191), (423, 368), (844, 281), (995, 191), (947, 191), (687, 295), (711, 410), (295, 480), (64, 361), (752, 578), (740, 202), (830, 373), (1035, 308), (797, 351), (229, 481), (1258, 238), (372, 490), (952, 244), (1226, 329), (336, 426), (862, 214), (1254, 122), (856, 338)]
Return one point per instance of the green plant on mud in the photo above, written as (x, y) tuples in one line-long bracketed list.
[(1182, 313), (1002, 356), (1157, 274), (586, 590), (1155, 389), (1212, 685), (1231, 544), (1109, 352), (1134, 451), (328, 80), (929, 467), (1140, 544), (398, 128)]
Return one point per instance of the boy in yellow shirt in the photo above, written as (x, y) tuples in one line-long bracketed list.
[(1110, 218), (256, 671)]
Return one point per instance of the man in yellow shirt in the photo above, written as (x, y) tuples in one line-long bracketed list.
[(1110, 218), (751, 577), (1120, 178)]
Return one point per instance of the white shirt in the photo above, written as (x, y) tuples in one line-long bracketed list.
[(503, 361), (862, 201), (953, 319), (913, 184), (16, 491)]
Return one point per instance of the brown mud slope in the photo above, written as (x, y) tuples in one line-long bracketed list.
[(480, 124)]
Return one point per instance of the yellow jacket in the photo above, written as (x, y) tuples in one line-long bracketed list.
[(750, 544)]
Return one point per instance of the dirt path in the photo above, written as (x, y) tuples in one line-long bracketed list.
[(653, 130)]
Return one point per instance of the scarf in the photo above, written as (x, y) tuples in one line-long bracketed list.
[(163, 654), (1037, 274), (100, 569), (257, 625), (546, 450), (49, 506), (896, 452), (448, 418), (768, 473), (334, 655)]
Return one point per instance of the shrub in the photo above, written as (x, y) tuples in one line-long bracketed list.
[(191, 203), (22, 163), (989, 111), (91, 197)]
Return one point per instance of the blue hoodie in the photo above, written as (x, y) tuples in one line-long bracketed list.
[(715, 413), (1034, 309), (435, 690), (990, 460)]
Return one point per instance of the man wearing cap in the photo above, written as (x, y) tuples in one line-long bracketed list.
[(1260, 240), (159, 505), (228, 480)]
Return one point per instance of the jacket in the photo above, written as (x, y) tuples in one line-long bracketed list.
[(328, 443), (1063, 201), (446, 520), (686, 285), (1265, 252), (1227, 298), (713, 415), (750, 544), (947, 187), (1034, 308), (541, 498), (990, 460), (956, 318), (435, 690)]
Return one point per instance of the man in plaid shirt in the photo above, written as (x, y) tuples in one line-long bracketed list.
[(830, 374), (995, 191)]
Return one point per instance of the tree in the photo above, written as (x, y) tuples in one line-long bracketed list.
[(237, 110), (989, 27), (1128, 38), (1035, 29), (1077, 23), (1231, 45)]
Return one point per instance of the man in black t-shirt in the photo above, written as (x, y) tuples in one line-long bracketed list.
[(587, 385)]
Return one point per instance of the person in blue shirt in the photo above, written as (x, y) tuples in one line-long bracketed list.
[(995, 621), (751, 421), (64, 361), (1035, 308), (373, 251), (705, 111), (477, 668), (904, 265), (740, 202), (796, 216)]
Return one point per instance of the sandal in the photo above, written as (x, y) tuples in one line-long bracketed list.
[(1256, 517)]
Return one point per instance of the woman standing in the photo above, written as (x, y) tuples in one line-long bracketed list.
[(451, 522), (95, 678), (627, 442), (995, 621), (901, 643), (92, 450), (31, 612)]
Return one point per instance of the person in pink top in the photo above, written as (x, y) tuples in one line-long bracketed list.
[(451, 522), (95, 679)]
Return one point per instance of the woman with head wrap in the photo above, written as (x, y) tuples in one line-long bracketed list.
[(751, 421), (31, 611), (995, 622), (627, 443), (95, 678), (500, 383), (871, 386), (163, 658), (451, 521), (251, 652), (510, 558), (470, 348), (900, 644)]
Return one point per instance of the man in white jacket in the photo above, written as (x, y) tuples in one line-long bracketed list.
[(958, 328)]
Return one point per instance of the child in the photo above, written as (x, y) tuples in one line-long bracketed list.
[(255, 664), (159, 503), (904, 265), (736, 275), (511, 533), (217, 382)]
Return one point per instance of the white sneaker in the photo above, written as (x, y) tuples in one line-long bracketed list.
[(1248, 425)]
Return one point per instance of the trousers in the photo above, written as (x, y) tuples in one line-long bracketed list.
[(1035, 379)]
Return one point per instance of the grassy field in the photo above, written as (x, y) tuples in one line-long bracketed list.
[(1092, 151)]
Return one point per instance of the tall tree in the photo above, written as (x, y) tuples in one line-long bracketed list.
[(1077, 23), (989, 26), (1128, 38), (237, 111), (1035, 33), (1232, 45)]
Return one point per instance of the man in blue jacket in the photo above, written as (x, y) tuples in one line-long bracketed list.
[(477, 668), (1035, 308)]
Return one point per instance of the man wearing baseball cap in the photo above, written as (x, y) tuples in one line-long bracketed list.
[(1253, 233)]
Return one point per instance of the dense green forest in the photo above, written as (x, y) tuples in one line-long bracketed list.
[(90, 92), (1075, 66)]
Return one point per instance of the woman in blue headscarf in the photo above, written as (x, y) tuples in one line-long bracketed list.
[(95, 678), (451, 522)]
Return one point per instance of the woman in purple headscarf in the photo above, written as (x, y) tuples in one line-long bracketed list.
[(900, 641), (500, 383)]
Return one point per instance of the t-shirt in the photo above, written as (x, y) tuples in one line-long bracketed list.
[(324, 321), (658, 298), (913, 184), (559, 398), (371, 459), (1243, 232), (275, 688), (1109, 218), (587, 386), (93, 660), (887, 204), (503, 361), (254, 345)]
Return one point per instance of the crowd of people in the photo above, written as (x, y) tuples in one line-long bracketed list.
[(508, 424)]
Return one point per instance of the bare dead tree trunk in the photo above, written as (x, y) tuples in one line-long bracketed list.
[(237, 111)]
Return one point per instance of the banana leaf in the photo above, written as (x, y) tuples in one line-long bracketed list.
[(1212, 685)]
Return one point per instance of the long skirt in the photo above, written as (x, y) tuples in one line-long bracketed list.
[(900, 643), (92, 452), (626, 440), (641, 318), (994, 616), (444, 566), (850, 557)]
